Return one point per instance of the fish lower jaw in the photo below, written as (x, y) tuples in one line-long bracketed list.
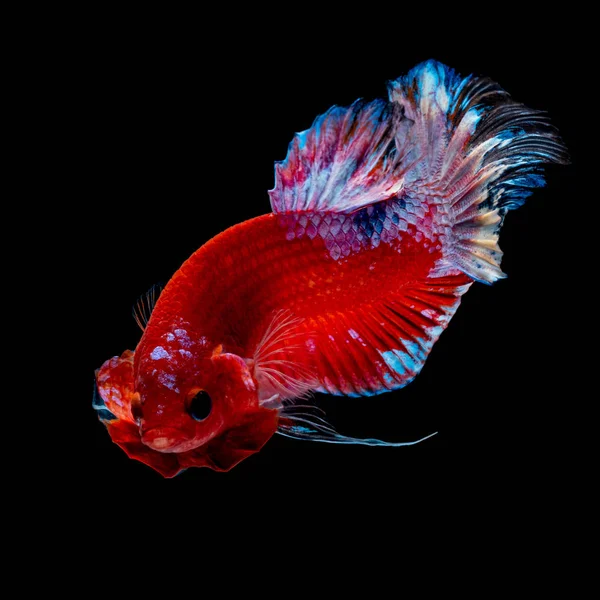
[(168, 440)]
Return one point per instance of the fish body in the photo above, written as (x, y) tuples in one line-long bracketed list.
[(384, 213)]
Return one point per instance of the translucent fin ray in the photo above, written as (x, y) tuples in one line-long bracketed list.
[(304, 424), (142, 309)]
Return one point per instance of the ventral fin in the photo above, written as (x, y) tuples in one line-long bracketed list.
[(306, 422)]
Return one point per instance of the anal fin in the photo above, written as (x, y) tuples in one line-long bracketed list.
[(382, 346)]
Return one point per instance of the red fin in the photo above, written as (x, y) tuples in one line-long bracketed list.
[(383, 346)]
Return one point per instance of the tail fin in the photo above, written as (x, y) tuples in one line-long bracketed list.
[(474, 150)]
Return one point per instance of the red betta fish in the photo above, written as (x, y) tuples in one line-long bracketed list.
[(384, 213)]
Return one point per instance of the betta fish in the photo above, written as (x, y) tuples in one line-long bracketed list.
[(383, 215)]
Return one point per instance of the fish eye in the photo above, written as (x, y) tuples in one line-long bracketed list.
[(200, 406)]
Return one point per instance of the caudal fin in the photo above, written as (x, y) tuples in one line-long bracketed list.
[(476, 153)]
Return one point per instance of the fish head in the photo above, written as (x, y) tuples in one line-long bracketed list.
[(185, 409)]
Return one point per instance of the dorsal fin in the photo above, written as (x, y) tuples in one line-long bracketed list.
[(346, 160), (142, 309), (464, 153)]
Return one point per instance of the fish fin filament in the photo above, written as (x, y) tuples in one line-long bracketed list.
[(310, 423), (142, 309)]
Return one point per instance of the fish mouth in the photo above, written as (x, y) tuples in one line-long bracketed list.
[(167, 439)]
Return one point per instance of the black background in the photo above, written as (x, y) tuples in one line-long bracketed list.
[(180, 137)]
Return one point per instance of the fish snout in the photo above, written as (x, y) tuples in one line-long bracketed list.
[(165, 439)]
